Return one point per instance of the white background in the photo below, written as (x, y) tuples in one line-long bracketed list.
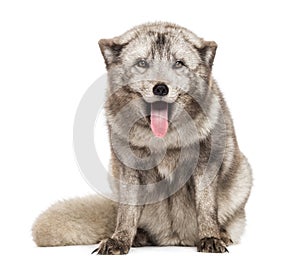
[(48, 58)]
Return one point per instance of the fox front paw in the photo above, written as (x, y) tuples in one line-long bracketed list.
[(211, 245), (112, 246)]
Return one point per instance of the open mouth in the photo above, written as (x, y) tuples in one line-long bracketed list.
[(159, 116)]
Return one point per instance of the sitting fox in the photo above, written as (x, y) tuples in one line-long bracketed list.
[(166, 70)]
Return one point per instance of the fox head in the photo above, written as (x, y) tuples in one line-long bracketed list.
[(157, 70)]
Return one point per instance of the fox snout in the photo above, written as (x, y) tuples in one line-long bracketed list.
[(160, 89)]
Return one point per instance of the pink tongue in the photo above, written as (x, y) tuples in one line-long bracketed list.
[(159, 118)]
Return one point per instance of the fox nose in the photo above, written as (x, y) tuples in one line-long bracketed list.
[(160, 89)]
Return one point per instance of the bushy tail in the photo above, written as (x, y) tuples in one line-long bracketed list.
[(79, 221)]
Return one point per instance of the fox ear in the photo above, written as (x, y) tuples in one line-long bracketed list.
[(111, 50), (207, 52)]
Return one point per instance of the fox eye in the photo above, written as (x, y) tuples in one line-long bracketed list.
[(178, 64), (142, 63)]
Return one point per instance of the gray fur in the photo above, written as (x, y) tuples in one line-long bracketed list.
[(209, 217)]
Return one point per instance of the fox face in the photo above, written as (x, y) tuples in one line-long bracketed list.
[(157, 71)]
